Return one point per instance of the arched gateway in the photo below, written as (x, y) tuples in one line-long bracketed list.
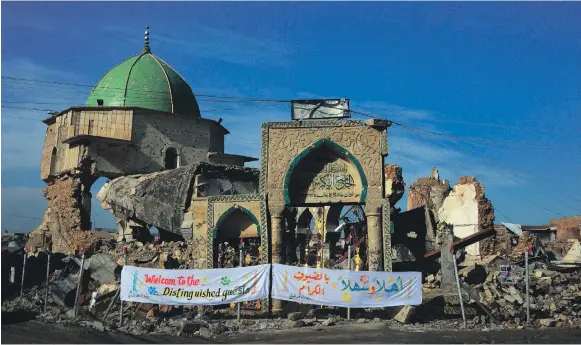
[(324, 165)]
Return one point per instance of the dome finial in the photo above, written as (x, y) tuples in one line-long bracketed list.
[(146, 48)]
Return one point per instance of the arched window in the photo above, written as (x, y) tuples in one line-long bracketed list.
[(172, 158), (53, 161)]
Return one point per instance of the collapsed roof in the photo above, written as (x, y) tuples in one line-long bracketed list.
[(161, 199)]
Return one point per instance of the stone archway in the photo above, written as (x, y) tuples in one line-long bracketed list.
[(236, 224), (235, 212), (325, 173)]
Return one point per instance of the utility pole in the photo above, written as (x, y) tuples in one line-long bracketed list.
[(79, 284)]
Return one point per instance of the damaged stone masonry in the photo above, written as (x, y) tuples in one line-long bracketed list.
[(320, 181)]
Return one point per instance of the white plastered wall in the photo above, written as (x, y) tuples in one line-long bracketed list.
[(460, 209)]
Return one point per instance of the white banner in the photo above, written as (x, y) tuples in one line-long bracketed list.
[(194, 287), (344, 288)]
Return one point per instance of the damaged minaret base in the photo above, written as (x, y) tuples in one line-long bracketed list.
[(66, 215)]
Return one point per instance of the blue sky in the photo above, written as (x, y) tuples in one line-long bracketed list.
[(508, 73)]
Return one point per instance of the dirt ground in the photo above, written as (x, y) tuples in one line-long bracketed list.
[(380, 334), (38, 332)]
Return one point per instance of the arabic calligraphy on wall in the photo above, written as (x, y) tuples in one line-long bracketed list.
[(325, 175), (346, 288), (336, 181)]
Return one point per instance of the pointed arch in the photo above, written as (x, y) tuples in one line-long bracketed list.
[(340, 150), (231, 210)]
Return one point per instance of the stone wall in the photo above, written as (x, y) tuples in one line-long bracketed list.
[(427, 191), (567, 228), (284, 141), (355, 151), (62, 218), (67, 156), (153, 133), (247, 228)]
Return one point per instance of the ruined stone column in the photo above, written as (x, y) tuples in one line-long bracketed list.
[(445, 239), (277, 228), (374, 238)]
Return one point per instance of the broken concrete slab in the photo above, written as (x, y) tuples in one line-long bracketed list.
[(405, 314)]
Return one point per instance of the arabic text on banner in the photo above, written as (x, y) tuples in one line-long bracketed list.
[(194, 287), (342, 288)]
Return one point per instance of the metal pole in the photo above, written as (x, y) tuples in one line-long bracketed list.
[(349, 268), (23, 273), (47, 282), (79, 284), (527, 285), (124, 263), (459, 288), (111, 304), (239, 305)]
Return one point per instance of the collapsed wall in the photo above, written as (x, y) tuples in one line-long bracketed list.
[(394, 184), (468, 210), (61, 226), (428, 191), (162, 199), (568, 228), (158, 199)]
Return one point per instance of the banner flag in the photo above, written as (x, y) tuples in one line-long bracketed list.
[(196, 286), (349, 289)]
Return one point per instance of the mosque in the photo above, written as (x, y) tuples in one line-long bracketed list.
[(141, 127)]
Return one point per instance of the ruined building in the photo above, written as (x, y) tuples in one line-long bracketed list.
[(142, 117), (321, 178)]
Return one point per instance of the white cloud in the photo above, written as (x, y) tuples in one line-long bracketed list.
[(417, 155), (391, 111)]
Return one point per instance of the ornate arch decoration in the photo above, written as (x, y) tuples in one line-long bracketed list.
[(228, 212), (343, 153)]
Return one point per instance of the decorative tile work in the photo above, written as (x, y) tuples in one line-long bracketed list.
[(234, 198), (386, 226), (210, 242), (384, 144), (263, 158), (261, 220), (264, 243), (264, 240)]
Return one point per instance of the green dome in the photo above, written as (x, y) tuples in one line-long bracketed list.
[(145, 81)]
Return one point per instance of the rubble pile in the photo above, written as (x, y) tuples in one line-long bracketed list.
[(433, 281), (153, 255), (177, 255), (555, 298)]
